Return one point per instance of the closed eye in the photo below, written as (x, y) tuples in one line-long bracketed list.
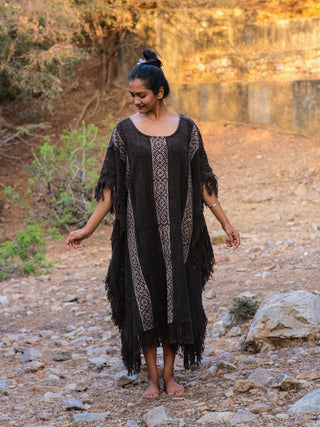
[(140, 95)]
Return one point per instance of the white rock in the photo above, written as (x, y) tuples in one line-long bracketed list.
[(33, 366), (261, 377), (218, 329), (123, 379), (215, 417), (218, 237), (309, 403), (30, 354), (73, 404), (4, 300), (158, 416), (98, 362), (49, 396), (234, 332), (90, 417), (242, 417), (294, 314)]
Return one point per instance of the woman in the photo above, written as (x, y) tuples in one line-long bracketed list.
[(156, 178)]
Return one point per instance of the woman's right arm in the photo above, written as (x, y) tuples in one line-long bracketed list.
[(103, 207)]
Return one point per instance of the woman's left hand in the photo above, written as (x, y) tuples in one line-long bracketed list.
[(234, 237)]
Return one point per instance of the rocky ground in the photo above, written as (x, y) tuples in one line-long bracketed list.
[(60, 358)]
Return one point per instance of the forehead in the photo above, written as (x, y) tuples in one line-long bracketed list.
[(137, 86)]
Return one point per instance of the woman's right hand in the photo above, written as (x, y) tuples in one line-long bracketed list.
[(75, 238)]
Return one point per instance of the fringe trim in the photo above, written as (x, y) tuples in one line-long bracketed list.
[(180, 337), (210, 181), (201, 249), (101, 184), (115, 280)]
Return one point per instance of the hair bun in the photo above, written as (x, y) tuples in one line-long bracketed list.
[(151, 58)]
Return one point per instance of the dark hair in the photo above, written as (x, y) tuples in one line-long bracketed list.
[(150, 73)]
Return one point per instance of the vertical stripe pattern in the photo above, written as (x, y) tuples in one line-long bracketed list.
[(159, 152)]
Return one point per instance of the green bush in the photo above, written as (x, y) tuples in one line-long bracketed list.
[(36, 47), (244, 308), (24, 255), (65, 176)]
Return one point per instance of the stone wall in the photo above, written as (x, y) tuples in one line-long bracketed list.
[(227, 64), (290, 105)]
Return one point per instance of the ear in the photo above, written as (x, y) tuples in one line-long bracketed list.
[(160, 93)]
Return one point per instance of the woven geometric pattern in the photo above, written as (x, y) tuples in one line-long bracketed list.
[(159, 153)]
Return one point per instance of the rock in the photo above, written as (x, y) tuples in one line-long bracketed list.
[(157, 416), (301, 190), (81, 386), (52, 378), (4, 300), (31, 339), (70, 298), (261, 377), (210, 294), (290, 315), (226, 366), (282, 416), (98, 363), (132, 423), (215, 417), (242, 417), (4, 384), (226, 356), (16, 372), (241, 386), (62, 356), (235, 332), (73, 403), (89, 417), (107, 335), (46, 334), (309, 403), (218, 237), (310, 376), (260, 408), (226, 318), (284, 382), (49, 396), (218, 329), (30, 354), (33, 366), (123, 379)]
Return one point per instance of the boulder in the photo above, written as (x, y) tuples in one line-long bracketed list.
[(309, 403), (287, 316), (158, 416)]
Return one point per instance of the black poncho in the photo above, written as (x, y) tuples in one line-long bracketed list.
[(161, 251)]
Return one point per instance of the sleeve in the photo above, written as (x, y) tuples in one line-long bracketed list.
[(207, 177), (112, 167)]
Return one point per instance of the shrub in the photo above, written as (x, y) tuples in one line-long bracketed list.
[(66, 176), (36, 46), (26, 254), (244, 308)]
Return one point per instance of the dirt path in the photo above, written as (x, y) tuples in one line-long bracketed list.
[(269, 186)]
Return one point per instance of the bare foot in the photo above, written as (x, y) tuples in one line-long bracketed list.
[(152, 391), (173, 388)]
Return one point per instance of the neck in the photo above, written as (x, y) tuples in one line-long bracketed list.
[(160, 111)]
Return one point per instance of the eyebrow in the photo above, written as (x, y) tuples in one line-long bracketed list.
[(138, 93)]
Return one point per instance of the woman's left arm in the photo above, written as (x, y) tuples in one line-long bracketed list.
[(215, 206)]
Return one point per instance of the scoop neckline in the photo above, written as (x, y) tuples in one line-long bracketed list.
[(157, 136)]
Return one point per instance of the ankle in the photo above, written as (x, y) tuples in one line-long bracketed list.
[(167, 376)]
